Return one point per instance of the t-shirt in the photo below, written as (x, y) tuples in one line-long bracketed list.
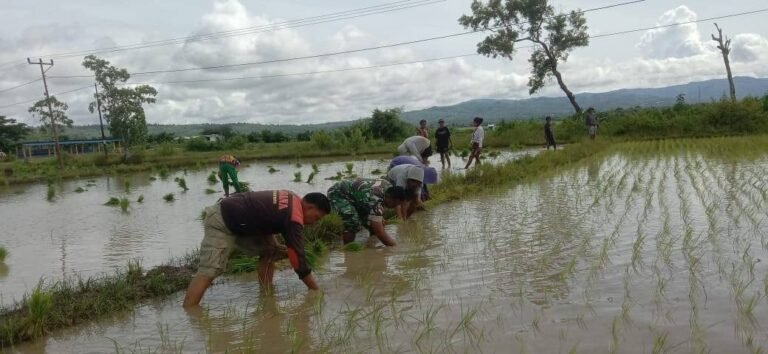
[(478, 135), (415, 145), (365, 194), (229, 160), (400, 174), (548, 128), (443, 136), (265, 213)]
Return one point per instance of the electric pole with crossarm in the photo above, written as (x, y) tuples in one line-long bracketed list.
[(56, 148)]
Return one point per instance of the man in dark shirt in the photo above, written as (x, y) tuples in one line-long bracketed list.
[(251, 220), (548, 133), (444, 143)]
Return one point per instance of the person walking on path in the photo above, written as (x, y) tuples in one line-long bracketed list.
[(548, 133), (478, 135), (422, 130), (443, 142), (416, 146), (228, 166), (360, 203), (591, 122), (251, 220)]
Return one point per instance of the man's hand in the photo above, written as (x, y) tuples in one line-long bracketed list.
[(377, 229), (310, 282)]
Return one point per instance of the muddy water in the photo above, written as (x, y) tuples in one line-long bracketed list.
[(76, 235), (631, 255)]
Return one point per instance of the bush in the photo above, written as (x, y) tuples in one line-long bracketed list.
[(236, 142), (3, 253), (167, 149), (200, 144), (134, 156)]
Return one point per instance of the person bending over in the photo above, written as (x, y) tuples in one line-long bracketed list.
[(228, 165), (410, 178), (251, 220), (416, 146), (360, 203)]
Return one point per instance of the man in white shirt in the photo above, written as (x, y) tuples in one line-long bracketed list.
[(416, 146), (411, 178), (477, 142)]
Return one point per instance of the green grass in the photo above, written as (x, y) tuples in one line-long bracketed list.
[(79, 190), (210, 191), (113, 201), (297, 176), (212, 178), (124, 204), (353, 247), (169, 197), (311, 177), (140, 199), (127, 185), (182, 184), (272, 169), (51, 192), (3, 253)]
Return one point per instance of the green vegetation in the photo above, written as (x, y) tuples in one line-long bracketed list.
[(140, 199), (353, 247), (124, 204), (3, 253), (113, 201), (272, 169), (297, 176), (169, 197), (127, 185), (51, 192), (79, 190), (212, 178), (182, 184), (377, 172), (311, 177), (210, 191)]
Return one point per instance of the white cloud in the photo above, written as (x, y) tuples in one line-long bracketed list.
[(749, 47), (676, 41)]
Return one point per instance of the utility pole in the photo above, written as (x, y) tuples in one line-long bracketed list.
[(101, 123), (50, 109)]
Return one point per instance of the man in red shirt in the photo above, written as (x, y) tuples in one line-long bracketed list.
[(251, 220)]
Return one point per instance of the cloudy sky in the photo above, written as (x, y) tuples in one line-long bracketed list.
[(50, 29)]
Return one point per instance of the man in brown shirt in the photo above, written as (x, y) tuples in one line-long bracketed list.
[(251, 220)]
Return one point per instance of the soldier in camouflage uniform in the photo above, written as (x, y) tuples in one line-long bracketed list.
[(362, 199)]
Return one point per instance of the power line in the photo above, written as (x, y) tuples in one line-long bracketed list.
[(54, 94), (19, 86), (302, 22), (315, 56)]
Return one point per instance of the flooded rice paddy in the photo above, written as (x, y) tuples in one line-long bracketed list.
[(625, 253)]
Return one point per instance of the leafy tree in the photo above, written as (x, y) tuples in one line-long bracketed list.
[(11, 132), (254, 137), (224, 131), (553, 36), (269, 136), (122, 106), (60, 119), (680, 102), (386, 125), (161, 138), (304, 136)]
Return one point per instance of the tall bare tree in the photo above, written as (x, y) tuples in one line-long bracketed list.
[(724, 44), (553, 36)]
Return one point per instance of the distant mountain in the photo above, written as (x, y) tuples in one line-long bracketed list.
[(494, 110)]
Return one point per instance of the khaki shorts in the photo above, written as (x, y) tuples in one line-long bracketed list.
[(219, 243)]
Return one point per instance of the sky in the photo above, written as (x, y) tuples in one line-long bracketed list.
[(282, 92)]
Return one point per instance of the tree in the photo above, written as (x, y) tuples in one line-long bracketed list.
[(553, 36), (224, 131), (122, 106), (724, 44), (386, 125), (161, 138), (59, 120), (11, 132)]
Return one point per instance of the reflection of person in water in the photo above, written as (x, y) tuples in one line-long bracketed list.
[(261, 329), (593, 171)]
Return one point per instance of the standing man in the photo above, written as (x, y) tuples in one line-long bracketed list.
[(478, 135), (365, 199), (548, 133), (250, 220), (443, 142), (591, 122), (416, 146), (410, 178), (228, 166), (422, 130)]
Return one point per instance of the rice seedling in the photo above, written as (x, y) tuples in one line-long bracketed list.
[(113, 201), (245, 186), (377, 172), (164, 172), (3, 253), (297, 176), (209, 191), (212, 178), (140, 199), (152, 178), (39, 306), (298, 165), (51, 192), (315, 167), (79, 190), (169, 197), (353, 247), (124, 204), (311, 177), (182, 184), (271, 169), (127, 185)]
